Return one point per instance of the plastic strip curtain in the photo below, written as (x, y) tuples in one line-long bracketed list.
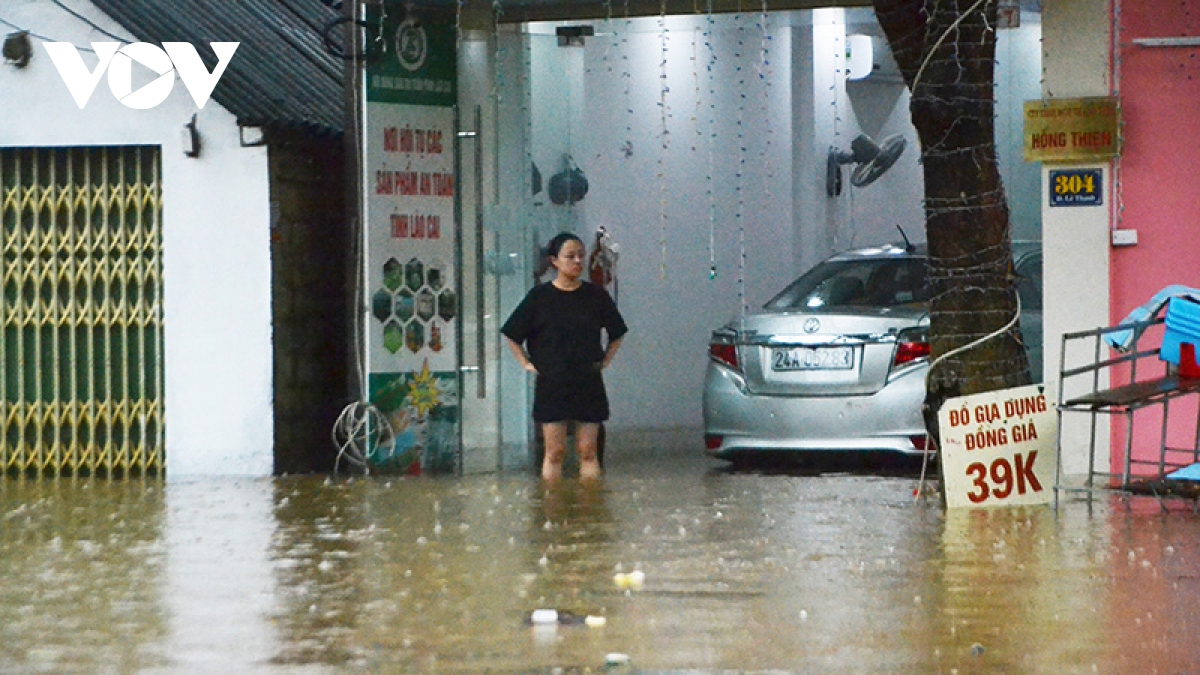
[(81, 311)]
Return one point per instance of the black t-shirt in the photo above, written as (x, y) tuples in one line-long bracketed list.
[(562, 329)]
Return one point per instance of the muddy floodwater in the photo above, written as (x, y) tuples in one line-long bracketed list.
[(682, 564)]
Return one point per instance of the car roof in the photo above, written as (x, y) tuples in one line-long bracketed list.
[(1021, 249), (884, 251)]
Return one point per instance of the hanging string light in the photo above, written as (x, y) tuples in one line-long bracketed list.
[(698, 38), (626, 77), (524, 105), (987, 271), (695, 59), (764, 68), (712, 134), (695, 118), (839, 52), (497, 95), (610, 48), (498, 58), (741, 168), (612, 43), (608, 29), (664, 135)]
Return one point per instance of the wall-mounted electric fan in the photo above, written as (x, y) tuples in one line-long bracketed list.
[(871, 159)]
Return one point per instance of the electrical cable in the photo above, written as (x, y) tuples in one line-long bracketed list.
[(942, 38), (44, 38), (958, 204), (86, 20), (958, 350), (339, 51), (361, 425)]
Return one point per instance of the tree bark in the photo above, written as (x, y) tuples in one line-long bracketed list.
[(946, 52)]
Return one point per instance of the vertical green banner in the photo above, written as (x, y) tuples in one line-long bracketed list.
[(410, 240), (416, 59)]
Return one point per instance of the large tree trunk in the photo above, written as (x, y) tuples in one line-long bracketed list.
[(946, 51)]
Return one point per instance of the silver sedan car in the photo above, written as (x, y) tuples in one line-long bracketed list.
[(837, 360)]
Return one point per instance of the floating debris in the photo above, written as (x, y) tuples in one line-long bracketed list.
[(632, 581), (616, 659), (547, 617), (543, 616)]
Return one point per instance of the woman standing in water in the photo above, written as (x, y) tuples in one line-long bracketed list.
[(555, 333)]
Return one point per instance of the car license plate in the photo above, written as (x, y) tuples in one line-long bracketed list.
[(812, 358)]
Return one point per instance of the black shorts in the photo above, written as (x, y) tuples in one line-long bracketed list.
[(577, 396)]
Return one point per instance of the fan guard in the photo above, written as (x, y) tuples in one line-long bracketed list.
[(871, 159)]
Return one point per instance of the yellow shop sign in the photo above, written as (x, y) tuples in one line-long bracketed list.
[(1072, 129)]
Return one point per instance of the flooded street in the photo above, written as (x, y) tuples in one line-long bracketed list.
[(741, 571)]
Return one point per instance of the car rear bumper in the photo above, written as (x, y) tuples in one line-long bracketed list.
[(887, 420)]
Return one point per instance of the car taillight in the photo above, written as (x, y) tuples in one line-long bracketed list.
[(724, 353), (908, 351)]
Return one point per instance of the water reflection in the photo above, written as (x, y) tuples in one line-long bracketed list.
[(1153, 559), (571, 528), (218, 588), (1016, 592), (320, 538), (82, 570), (833, 572)]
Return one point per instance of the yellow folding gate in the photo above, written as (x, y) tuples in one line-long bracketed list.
[(81, 344)]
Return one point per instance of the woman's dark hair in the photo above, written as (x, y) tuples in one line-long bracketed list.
[(556, 244)]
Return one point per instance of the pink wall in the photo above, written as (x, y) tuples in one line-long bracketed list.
[(1157, 190)]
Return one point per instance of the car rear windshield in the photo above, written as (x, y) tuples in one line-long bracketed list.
[(870, 282)]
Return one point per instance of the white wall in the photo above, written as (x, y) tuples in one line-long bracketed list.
[(683, 179), (830, 112), (216, 243), (1018, 59), (1075, 240)]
